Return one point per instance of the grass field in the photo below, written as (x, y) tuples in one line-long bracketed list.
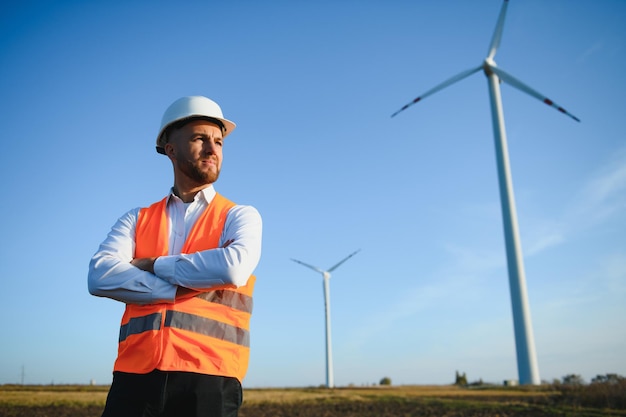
[(401, 401)]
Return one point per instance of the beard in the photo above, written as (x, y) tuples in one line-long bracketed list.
[(193, 172)]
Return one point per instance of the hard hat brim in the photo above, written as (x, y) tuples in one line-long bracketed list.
[(227, 127)]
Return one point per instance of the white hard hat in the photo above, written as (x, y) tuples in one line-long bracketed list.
[(188, 108)]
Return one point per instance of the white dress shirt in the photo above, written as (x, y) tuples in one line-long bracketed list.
[(112, 275)]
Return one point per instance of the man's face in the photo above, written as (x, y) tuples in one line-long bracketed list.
[(196, 151)]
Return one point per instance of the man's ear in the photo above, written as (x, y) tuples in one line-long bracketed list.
[(170, 151)]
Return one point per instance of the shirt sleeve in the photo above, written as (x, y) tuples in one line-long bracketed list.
[(231, 265), (112, 275)]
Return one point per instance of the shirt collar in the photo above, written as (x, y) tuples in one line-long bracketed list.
[(205, 194)]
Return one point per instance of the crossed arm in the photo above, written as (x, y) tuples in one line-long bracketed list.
[(113, 272), (147, 264)]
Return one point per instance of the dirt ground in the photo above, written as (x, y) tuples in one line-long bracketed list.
[(343, 409), (380, 409)]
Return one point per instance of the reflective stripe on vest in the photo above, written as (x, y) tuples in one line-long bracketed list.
[(207, 333), (207, 327), (138, 325), (189, 322)]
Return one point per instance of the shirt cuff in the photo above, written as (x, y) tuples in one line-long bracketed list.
[(163, 291), (164, 268)]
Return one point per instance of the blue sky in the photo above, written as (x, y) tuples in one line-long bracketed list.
[(312, 86)]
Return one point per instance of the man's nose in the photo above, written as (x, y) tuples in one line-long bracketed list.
[(209, 147)]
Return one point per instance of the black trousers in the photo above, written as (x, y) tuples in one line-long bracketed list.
[(173, 394)]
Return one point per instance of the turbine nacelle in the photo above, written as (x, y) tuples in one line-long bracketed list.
[(488, 68), (488, 65)]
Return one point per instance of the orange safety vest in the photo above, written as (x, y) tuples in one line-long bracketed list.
[(207, 333)]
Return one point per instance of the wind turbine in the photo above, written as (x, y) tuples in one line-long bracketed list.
[(527, 367), (330, 383)]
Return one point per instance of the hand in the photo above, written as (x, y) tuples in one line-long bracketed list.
[(145, 264), (184, 292)]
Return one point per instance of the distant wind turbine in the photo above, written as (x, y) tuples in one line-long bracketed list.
[(524, 341), (330, 383)]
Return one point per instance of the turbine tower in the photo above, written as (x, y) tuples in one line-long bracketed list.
[(330, 383), (527, 367)]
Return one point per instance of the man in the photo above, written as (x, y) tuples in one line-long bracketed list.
[(183, 266)]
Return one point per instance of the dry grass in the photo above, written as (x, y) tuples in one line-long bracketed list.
[(96, 395), (46, 398)]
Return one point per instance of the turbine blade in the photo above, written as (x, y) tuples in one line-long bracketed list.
[(309, 266), (497, 34), (509, 79), (345, 259), (441, 86)]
